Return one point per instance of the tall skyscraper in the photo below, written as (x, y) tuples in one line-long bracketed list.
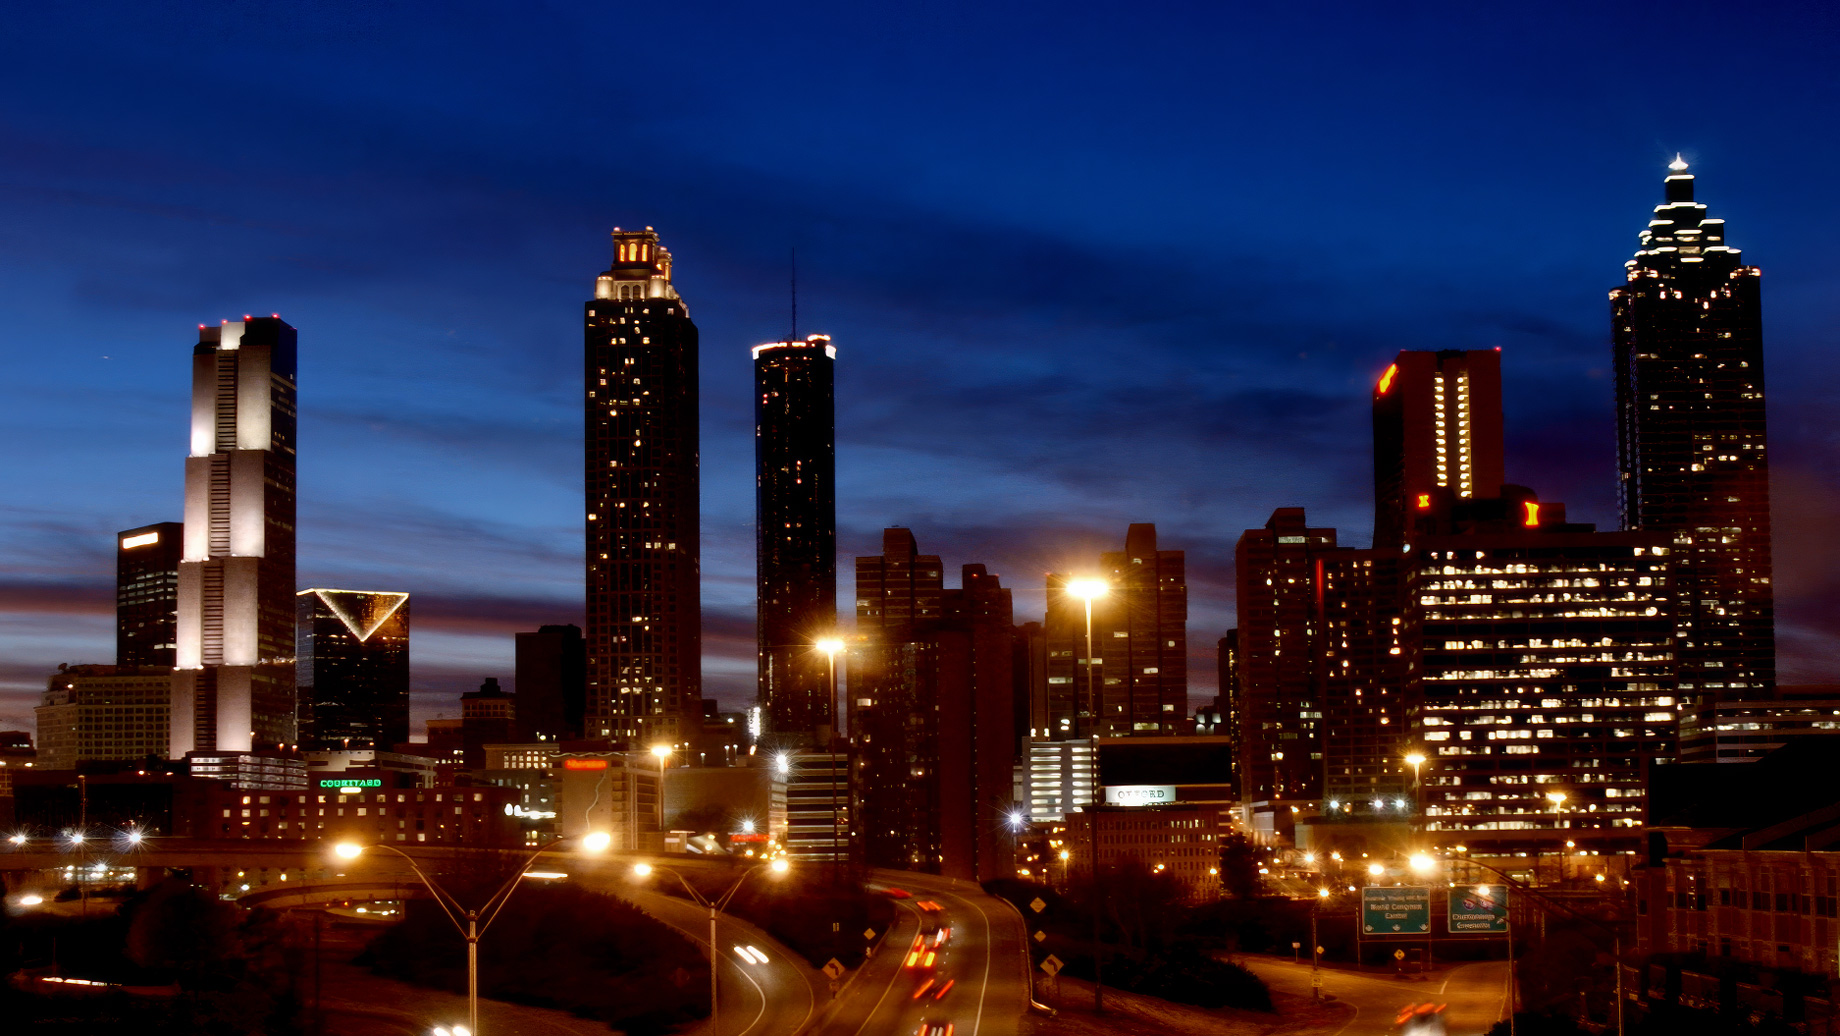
[(796, 532), (233, 689), (1688, 333), (644, 634), (352, 668), (1437, 425), (1279, 658), (551, 683), (147, 595), (932, 708), (1139, 666)]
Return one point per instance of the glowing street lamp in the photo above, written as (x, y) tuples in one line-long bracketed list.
[(645, 870), (1088, 590), (475, 921), (662, 753)]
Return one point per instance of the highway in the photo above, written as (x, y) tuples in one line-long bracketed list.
[(981, 966), (1476, 994)]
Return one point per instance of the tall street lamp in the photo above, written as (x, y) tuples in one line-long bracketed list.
[(472, 924), (1087, 590), (663, 754), (715, 905), (1416, 760), (832, 646)]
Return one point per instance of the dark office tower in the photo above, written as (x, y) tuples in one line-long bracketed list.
[(147, 595), (1280, 664), (233, 689), (1690, 438), (1437, 425), (1139, 665), (931, 714), (1357, 632), (551, 683), (796, 529), (352, 668), (644, 634), (488, 716)]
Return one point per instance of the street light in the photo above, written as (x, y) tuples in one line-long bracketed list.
[(662, 753), (1087, 590), (1316, 950), (716, 905), (475, 921), (831, 646), (1416, 760)]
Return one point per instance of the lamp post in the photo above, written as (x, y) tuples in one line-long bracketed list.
[(1087, 590), (715, 906), (831, 646), (472, 923), (1416, 760), (1557, 798), (663, 754), (1315, 948)]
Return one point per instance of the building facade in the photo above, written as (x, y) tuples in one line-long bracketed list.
[(1687, 327), (644, 631), (1279, 661), (1437, 426), (1181, 841), (551, 683), (796, 534), (233, 689), (147, 594), (1137, 675), (932, 714), (352, 668), (97, 713)]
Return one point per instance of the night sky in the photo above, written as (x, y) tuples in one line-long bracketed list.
[(1084, 264)]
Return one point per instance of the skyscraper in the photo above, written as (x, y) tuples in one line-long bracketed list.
[(147, 595), (233, 689), (352, 668), (551, 681), (1139, 665), (1437, 425), (796, 531), (644, 634), (1687, 327), (932, 710), (1280, 660)]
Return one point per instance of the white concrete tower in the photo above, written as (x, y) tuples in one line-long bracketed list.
[(233, 685)]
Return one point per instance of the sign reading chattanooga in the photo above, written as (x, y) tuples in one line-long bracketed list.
[(1395, 911), (1479, 908), (1139, 794)]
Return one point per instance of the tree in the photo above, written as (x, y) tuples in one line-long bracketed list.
[(1239, 867)]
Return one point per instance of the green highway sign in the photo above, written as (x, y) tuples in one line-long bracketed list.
[(1479, 909), (1395, 911)]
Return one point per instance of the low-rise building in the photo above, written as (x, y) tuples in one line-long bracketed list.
[(1182, 840), (101, 713)]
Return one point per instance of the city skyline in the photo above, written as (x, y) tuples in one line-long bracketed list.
[(442, 464)]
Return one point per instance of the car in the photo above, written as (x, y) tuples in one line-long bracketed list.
[(895, 893), (935, 1029)]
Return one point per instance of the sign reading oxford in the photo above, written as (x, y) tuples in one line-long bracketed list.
[(1479, 909), (1139, 794), (1395, 911), (350, 782)]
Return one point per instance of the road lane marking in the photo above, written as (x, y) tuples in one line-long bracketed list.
[(896, 977)]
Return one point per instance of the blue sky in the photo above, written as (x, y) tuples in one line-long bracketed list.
[(1084, 267)]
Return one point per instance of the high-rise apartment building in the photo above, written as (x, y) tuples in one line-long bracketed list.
[(1687, 326), (1280, 712), (233, 689), (147, 594), (932, 713), (644, 632), (1137, 674), (796, 533), (1542, 665), (1359, 631), (1437, 426), (551, 683), (352, 668)]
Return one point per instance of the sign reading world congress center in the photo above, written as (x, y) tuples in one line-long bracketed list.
[(1479, 909), (1395, 911), (1139, 794)]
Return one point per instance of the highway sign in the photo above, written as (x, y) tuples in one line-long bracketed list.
[(1037, 905), (1479, 909), (868, 933), (834, 969), (1040, 935), (1404, 910), (1052, 965), (1399, 955)]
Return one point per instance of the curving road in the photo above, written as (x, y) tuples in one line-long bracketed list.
[(983, 959), (1476, 994)]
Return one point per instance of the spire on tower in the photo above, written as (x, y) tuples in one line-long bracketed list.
[(1679, 164)]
